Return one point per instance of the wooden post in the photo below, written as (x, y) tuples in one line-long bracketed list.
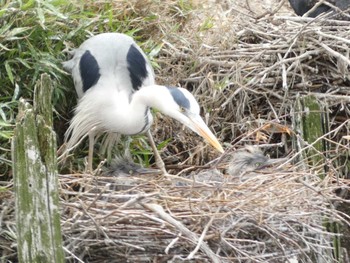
[(311, 123), (35, 180)]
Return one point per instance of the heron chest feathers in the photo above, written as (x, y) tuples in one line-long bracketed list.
[(136, 121), (115, 112)]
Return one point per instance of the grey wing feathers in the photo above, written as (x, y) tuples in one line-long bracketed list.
[(110, 55)]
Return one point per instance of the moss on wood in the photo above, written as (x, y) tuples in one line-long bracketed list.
[(35, 178)]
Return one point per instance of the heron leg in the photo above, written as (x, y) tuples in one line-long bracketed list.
[(91, 151), (159, 162)]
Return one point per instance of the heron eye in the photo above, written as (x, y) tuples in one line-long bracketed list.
[(182, 109)]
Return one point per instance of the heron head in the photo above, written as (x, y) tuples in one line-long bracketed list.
[(182, 106)]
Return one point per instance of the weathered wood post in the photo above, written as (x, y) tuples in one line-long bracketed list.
[(311, 124), (35, 179)]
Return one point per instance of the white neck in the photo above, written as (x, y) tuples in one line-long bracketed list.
[(154, 96), (131, 114)]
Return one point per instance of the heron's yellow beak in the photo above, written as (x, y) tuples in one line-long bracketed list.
[(199, 126)]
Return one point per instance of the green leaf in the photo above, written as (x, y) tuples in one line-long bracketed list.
[(23, 62), (28, 4), (54, 10), (16, 92), (16, 31), (155, 51), (41, 17), (9, 72), (6, 134), (5, 124), (163, 144)]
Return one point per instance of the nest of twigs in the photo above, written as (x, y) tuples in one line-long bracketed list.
[(272, 217), (278, 214)]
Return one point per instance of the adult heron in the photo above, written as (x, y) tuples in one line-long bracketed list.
[(116, 89)]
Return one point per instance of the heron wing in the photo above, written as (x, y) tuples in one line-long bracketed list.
[(111, 56), (140, 70)]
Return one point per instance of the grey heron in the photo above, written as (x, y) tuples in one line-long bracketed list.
[(116, 87)]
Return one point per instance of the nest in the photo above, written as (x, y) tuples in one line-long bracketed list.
[(271, 217), (276, 215)]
